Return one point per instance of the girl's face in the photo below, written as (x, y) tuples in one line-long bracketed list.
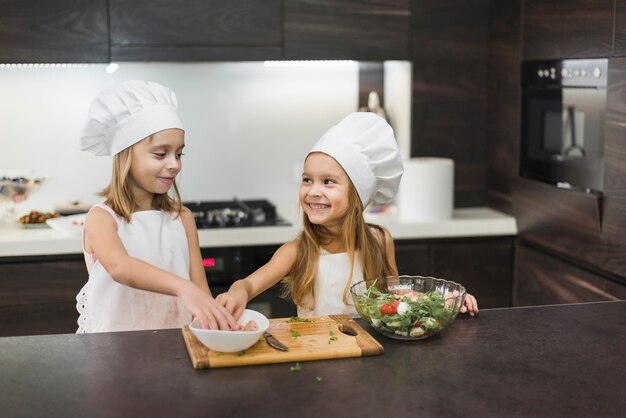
[(324, 191), (155, 163)]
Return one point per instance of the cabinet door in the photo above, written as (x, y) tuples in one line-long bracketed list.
[(412, 257), (372, 30), (482, 265), (619, 46), (543, 280), (195, 30), (59, 31), (567, 28), (39, 297)]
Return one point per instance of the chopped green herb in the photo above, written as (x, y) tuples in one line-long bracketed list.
[(318, 378), (177, 357), (241, 353), (296, 367), (333, 337), (295, 334), (298, 319)]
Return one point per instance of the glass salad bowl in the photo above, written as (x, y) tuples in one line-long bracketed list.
[(408, 307)]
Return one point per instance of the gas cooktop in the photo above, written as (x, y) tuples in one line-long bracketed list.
[(234, 213)]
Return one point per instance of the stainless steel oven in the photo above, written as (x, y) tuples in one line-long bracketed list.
[(563, 108)]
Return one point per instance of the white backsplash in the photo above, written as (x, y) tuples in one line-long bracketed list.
[(248, 127)]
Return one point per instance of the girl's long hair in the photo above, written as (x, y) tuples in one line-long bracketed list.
[(119, 193), (356, 235)]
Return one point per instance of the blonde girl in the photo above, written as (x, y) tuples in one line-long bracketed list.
[(141, 245), (355, 163)]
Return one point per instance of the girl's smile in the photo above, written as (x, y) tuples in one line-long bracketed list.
[(324, 190), (156, 161)]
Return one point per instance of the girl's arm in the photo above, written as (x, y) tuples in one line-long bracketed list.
[(470, 306), (102, 240), (242, 291), (210, 307)]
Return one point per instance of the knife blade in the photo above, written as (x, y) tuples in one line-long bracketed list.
[(273, 342)]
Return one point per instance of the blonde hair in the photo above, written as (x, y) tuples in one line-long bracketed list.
[(356, 235), (119, 193)]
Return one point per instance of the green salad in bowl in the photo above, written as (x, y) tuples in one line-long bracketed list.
[(408, 307)]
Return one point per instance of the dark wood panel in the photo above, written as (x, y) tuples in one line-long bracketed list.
[(239, 30), (483, 265), (568, 28), (61, 31), (543, 280), (619, 41), (38, 319), (614, 225), (194, 53), (39, 297), (449, 54), (503, 101), (539, 205), (41, 282), (372, 30), (412, 257)]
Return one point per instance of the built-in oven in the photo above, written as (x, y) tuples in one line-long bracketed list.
[(563, 108), (224, 265)]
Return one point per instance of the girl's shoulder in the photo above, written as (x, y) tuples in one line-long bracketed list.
[(102, 213)]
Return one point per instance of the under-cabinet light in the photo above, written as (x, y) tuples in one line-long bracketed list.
[(46, 65), (307, 63)]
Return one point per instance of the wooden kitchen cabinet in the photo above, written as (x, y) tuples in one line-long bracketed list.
[(554, 29), (59, 31), (372, 30), (38, 295), (619, 44), (541, 279), (195, 30), (483, 265)]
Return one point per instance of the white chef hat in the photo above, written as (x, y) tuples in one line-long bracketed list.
[(364, 145), (125, 114)]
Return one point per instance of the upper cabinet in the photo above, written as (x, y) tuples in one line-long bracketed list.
[(619, 45), (59, 31), (195, 30), (567, 28), (368, 30)]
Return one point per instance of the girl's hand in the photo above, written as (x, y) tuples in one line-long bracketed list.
[(470, 306), (209, 312), (234, 301)]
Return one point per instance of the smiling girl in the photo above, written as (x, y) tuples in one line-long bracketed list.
[(355, 163), (141, 245)]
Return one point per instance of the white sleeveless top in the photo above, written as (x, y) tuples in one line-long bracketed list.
[(333, 271), (105, 305)]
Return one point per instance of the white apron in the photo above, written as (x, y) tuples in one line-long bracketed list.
[(105, 305), (333, 271)]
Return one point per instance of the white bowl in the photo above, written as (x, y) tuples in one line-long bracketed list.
[(232, 341)]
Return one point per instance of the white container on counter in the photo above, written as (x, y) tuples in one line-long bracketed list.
[(426, 191)]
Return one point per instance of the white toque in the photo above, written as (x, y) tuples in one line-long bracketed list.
[(364, 145), (125, 114)]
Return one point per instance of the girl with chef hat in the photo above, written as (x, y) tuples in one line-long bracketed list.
[(355, 163), (141, 245)]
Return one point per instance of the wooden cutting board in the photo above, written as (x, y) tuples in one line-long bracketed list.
[(319, 339)]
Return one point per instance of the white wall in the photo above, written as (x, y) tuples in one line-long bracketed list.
[(247, 126)]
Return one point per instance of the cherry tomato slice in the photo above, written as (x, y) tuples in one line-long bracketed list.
[(390, 308)]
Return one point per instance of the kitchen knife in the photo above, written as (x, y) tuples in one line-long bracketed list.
[(273, 342)]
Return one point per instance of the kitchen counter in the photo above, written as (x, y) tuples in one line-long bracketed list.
[(546, 361), (466, 222)]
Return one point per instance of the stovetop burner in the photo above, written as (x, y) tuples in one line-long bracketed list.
[(234, 213)]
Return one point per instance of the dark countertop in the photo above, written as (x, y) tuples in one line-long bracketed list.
[(551, 361)]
